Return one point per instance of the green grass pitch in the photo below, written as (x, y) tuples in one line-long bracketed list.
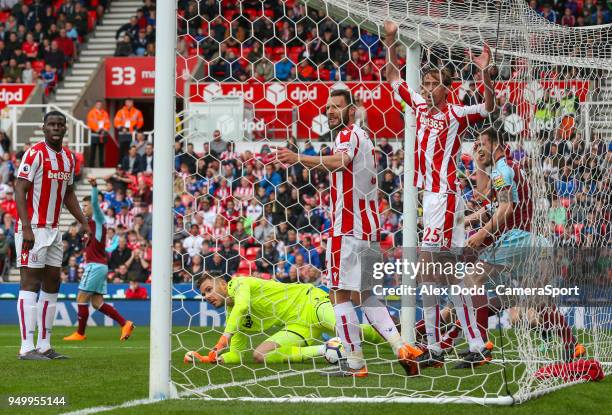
[(105, 372)]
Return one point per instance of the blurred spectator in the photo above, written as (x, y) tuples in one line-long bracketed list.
[(119, 255), (127, 120), (129, 29), (217, 145), (137, 266), (49, 79), (124, 47), (193, 243), (4, 252), (98, 121), (284, 69), (136, 292), (133, 163), (139, 142), (55, 58)]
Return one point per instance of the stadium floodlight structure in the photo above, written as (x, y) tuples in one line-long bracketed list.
[(536, 55)]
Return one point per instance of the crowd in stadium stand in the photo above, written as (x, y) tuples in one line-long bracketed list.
[(243, 213), (39, 39)]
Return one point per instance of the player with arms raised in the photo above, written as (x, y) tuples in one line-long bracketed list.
[(355, 233), (92, 287), (439, 128), (44, 183)]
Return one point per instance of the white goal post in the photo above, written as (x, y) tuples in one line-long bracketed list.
[(160, 386)]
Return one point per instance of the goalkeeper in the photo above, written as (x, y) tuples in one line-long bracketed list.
[(303, 313)]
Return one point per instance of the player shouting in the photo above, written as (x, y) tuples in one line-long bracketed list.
[(302, 311), (92, 287), (509, 243), (439, 128), (355, 233), (44, 183)]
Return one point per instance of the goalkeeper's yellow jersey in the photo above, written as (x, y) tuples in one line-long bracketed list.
[(262, 304)]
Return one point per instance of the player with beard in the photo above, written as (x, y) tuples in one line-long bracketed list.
[(355, 234), (506, 241)]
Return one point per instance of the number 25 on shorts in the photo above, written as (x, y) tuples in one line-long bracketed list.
[(432, 235)]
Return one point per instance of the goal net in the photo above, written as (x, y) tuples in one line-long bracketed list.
[(263, 76)]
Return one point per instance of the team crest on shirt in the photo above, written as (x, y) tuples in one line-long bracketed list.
[(499, 181)]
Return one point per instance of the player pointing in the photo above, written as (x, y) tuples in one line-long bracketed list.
[(439, 128), (355, 233), (92, 287), (44, 183)]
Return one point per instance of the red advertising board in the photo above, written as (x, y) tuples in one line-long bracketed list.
[(134, 77), (14, 94), (278, 104)]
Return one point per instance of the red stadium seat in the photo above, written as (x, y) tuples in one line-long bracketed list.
[(244, 267), (387, 243), (324, 74), (578, 231), (252, 252), (92, 18), (4, 16), (38, 66)]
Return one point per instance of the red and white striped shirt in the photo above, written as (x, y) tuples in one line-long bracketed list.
[(438, 139), (354, 190), (50, 173)]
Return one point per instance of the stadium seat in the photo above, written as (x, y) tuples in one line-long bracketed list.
[(252, 253), (244, 267), (92, 18), (578, 231), (38, 66), (387, 243)]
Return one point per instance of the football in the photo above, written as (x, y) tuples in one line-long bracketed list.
[(334, 350)]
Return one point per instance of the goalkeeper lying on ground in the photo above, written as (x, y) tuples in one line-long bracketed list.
[(301, 311)]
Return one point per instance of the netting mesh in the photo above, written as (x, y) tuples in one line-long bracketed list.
[(265, 72)]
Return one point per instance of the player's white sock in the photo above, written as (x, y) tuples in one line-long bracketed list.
[(26, 310), (347, 327), (47, 303), (379, 317), (431, 315), (467, 317)]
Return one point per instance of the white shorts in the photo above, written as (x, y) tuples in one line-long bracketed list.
[(349, 262), (48, 249), (443, 224)]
